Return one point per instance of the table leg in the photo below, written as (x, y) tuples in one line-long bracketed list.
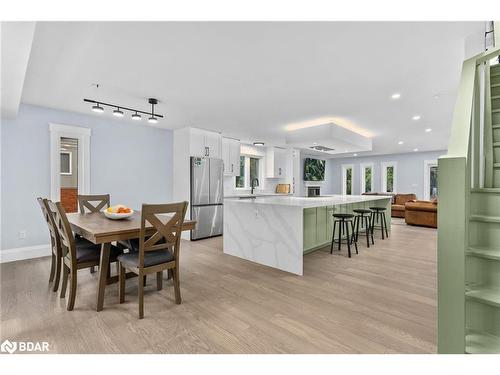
[(103, 274)]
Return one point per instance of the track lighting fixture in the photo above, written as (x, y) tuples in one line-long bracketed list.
[(118, 111)]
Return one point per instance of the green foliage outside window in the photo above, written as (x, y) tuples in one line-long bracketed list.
[(240, 180), (368, 180), (348, 179), (390, 179)]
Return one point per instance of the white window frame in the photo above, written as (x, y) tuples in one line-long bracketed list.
[(363, 167), (344, 178), (70, 163), (384, 166), (427, 177), (246, 168), (58, 131)]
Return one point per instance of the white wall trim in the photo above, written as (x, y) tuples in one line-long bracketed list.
[(21, 253), (427, 166), (344, 177), (362, 168), (83, 135), (383, 168)]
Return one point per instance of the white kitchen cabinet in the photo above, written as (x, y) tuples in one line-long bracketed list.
[(231, 152), (276, 162), (205, 143)]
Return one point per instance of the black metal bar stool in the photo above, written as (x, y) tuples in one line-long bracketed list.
[(344, 221), (363, 216), (379, 213)]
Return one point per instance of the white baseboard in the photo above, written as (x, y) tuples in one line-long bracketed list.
[(21, 253)]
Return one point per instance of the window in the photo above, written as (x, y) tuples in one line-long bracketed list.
[(347, 179), (66, 163), (366, 178), (249, 169), (240, 180), (389, 177)]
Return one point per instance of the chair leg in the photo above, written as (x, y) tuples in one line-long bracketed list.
[(58, 274), (333, 235), (144, 280), (92, 269), (177, 288), (367, 229), (169, 273), (385, 225), (64, 280), (159, 280), (379, 215), (341, 224), (140, 281), (72, 290), (355, 239), (121, 281), (346, 224), (52, 268)]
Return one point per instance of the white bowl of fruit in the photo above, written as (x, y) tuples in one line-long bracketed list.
[(118, 212)]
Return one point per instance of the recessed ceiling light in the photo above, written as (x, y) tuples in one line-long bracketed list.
[(428, 130), (136, 116), (117, 113), (436, 96), (315, 143), (258, 143), (395, 96), (97, 108), (400, 142), (416, 118), (355, 155), (415, 149)]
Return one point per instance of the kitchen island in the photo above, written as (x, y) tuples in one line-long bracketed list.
[(279, 231)]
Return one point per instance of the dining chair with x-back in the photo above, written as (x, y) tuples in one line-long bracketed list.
[(74, 256), (158, 251)]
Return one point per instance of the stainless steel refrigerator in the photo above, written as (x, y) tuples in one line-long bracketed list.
[(206, 196)]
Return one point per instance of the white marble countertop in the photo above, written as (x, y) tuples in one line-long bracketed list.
[(306, 202), (256, 194)]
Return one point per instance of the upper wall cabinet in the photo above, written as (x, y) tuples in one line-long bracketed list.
[(276, 162), (231, 151), (205, 143)]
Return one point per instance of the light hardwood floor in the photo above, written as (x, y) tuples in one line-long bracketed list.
[(380, 301)]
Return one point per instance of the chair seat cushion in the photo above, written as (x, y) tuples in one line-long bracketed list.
[(87, 251), (151, 258), (362, 211), (343, 216)]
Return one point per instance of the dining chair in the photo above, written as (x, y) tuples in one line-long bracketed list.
[(93, 203), (74, 257), (55, 265), (158, 251)]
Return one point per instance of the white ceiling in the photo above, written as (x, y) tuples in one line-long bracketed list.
[(250, 80)]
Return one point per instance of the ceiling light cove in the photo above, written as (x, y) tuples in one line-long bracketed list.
[(339, 121)]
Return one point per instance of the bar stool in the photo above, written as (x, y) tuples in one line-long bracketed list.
[(379, 213), (364, 216), (344, 220)]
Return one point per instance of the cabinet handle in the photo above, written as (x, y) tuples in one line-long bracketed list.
[(232, 167), (279, 171), (206, 151)]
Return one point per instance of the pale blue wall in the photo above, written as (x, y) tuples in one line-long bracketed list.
[(410, 172), (132, 162)]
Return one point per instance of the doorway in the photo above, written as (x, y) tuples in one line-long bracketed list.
[(430, 179)]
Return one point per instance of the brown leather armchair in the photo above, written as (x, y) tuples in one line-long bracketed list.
[(398, 206), (422, 213)]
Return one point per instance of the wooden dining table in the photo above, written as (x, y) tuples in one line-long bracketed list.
[(100, 230)]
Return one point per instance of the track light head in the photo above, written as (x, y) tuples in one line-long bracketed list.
[(152, 120), (136, 116), (117, 113), (97, 108)]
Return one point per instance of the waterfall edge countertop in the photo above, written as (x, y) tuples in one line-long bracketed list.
[(306, 202)]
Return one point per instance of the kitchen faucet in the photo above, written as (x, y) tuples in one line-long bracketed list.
[(252, 184)]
